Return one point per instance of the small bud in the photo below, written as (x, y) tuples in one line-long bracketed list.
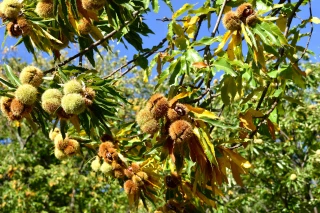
[(73, 104), (308, 71), (131, 188), (54, 133), (158, 106), (105, 168), (27, 94), (180, 131), (31, 75), (93, 4), (10, 8), (95, 164), (59, 154), (84, 26), (177, 111), (44, 9), (231, 21), (150, 126), (293, 177), (72, 86)]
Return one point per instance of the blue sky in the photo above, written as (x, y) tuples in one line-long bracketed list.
[(160, 30)]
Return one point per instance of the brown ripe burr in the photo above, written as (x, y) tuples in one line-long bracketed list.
[(115, 165), (231, 21), (172, 181), (177, 111), (158, 106), (130, 187), (252, 19), (73, 147), (104, 151), (244, 10), (135, 167), (14, 29), (180, 131), (63, 115), (119, 173), (150, 126), (24, 25), (19, 109)]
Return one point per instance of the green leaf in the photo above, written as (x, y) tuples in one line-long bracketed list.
[(181, 43), (205, 41), (155, 6), (11, 76), (277, 32), (223, 65), (141, 61), (202, 10)]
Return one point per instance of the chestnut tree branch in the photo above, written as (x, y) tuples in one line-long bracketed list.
[(93, 45)]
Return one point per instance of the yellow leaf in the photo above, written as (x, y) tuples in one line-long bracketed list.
[(230, 49), (216, 190), (181, 95), (238, 159), (246, 120), (315, 20), (200, 112), (259, 54), (97, 35), (191, 30), (193, 20), (206, 200), (50, 37), (246, 37), (282, 22), (225, 38)]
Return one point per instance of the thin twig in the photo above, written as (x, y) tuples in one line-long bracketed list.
[(274, 105), (310, 34), (166, 19), (93, 45), (207, 48), (146, 55)]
